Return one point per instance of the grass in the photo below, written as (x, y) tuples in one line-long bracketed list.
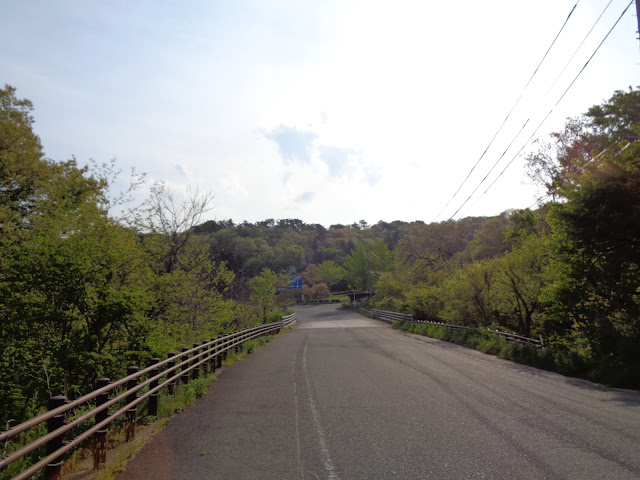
[(569, 363), (341, 298), (486, 343)]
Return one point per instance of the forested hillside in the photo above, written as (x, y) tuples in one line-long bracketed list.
[(567, 268), (83, 294)]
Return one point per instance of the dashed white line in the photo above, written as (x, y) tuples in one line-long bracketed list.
[(324, 450)]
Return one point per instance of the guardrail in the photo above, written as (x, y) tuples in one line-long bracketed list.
[(181, 367), (314, 301), (448, 326), (391, 316), (509, 337)]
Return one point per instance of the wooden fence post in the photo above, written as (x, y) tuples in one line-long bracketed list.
[(184, 376), (100, 437), (205, 365), (195, 373), (219, 353), (213, 357), (131, 413), (171, 386), (53, 470), (153, 398)]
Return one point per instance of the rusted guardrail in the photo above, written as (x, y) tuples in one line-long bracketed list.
[(181, 367)]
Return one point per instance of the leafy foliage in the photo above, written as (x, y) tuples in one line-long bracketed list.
[(263, 291)]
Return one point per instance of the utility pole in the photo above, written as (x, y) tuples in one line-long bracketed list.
[(638, 17), (368, 279)]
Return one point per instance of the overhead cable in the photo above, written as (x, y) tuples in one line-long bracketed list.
[(552, 109), (579, 46), (491, 169), (509, 114)]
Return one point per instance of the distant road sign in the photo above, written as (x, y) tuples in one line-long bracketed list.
[(294, 282)]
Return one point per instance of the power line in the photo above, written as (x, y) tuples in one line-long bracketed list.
[(509, 114), (582, 169), (491, 170), (596, 51), (552, 109), (579, 46)]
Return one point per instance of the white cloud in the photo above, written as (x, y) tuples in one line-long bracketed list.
[(378, 109), (293, 144)]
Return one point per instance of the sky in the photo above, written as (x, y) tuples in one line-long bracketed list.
[(330, 112)]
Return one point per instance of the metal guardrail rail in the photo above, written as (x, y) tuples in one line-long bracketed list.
[(314, 301), (181, 367), (448, 326), (405, 317), (391, 316), (509, 337)]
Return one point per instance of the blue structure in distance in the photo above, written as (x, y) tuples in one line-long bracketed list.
[(294, 282)]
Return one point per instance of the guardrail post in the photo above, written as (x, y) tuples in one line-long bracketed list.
[(195, 373), (53, 470), (214, 356), (226, 352), (207, 357), (185, 358), (131, 412), (239, 344), (171, 386), (153, 398), (219, 354), (100, 438)]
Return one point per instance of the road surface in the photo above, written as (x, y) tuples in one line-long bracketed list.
[(344, 397)]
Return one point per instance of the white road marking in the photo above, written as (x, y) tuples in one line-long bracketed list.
[(324, 450)]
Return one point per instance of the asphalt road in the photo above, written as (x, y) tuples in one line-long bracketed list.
[(344, 397)]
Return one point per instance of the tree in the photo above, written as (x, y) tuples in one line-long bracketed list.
[(390, 293), (72, 292), (585, 144), (172, 220), (522, 274), (366, 263), (489, 240), (597, 243), (193, 293), (23, 170), (310, 273), (595, 233), (469, 294), (328, 272), (81, 295), (263, 291)]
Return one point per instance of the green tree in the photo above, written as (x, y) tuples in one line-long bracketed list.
[(72, 292), (23, 170), (523, 272), (390, 293), (595, 234), (597, 244), (328, 272), (263, 291), (366, 263), (469, 294)]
